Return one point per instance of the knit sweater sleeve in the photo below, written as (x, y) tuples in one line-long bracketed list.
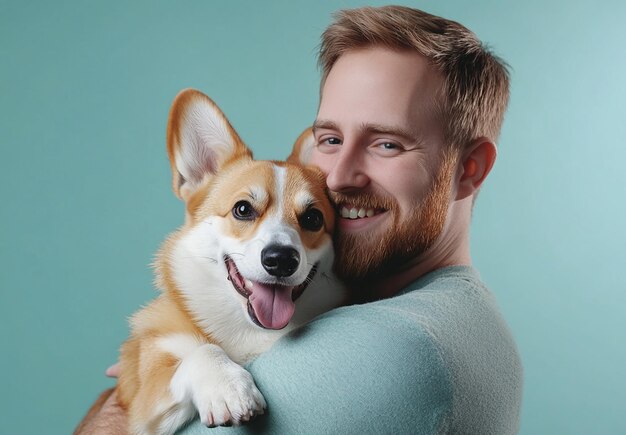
[(356, 370)]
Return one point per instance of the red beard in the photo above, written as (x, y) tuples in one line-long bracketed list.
[(367, 257)]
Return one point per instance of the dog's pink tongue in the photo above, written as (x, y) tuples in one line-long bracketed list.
[(272, 305)]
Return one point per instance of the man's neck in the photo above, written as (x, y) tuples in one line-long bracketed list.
[(391, 285), (451, 249)]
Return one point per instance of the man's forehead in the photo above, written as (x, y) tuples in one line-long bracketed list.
[(381, 90), (389, 64)]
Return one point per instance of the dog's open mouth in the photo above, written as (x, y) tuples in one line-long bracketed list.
[(270, 306)]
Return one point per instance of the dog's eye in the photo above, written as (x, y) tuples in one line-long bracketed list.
[(312, 220), (243, 211)]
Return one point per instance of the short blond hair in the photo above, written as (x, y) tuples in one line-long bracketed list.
[(476, 82)]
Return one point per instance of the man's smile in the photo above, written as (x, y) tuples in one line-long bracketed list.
[(353, 217), (350, 212)]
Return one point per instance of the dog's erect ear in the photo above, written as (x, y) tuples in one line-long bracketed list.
[(200, 140), (301, 153)]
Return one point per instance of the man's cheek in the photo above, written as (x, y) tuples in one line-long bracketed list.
[(320, 160)]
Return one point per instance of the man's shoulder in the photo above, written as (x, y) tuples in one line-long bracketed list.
[(370, 336), (390, 366), (427, 310), (351, 364), (475, 344), (424, 320), (451, 323), (451, 302)]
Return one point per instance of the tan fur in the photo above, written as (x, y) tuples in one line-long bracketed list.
[(316, 180), (147, 369), (177, 115), (231, 187), (302, 147), (162, 317)]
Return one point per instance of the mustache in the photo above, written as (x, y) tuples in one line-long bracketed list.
[(362, 200)]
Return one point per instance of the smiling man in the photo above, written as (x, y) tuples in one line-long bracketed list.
[(381, 141), (411, 106)]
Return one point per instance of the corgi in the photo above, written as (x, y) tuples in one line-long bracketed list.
[(252, 261)]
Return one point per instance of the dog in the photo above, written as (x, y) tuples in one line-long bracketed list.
[(252, 262)]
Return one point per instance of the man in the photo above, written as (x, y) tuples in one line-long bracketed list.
[(411, 106)]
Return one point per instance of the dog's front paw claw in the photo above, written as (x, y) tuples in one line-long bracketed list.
[(234, 402)]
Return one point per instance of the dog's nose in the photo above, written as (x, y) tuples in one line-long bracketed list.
[(280, 260)]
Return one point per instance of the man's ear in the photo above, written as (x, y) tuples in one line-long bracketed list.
[(200, 140), (475, 165), (301, 152)]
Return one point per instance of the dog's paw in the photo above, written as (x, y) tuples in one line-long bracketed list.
[(233, 400), (222, 391)]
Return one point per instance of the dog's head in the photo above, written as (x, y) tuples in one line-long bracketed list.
[(255, 231)]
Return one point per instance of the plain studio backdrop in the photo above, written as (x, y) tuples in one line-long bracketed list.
[(85, 195)]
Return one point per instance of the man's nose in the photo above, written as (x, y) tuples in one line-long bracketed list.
[(348, 171)]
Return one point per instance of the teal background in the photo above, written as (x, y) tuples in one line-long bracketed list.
[(85, 197)]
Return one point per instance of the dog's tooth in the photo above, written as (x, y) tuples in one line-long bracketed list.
[(353, 213), (370, 213), (248, 284), (361, 213), (345, 213)]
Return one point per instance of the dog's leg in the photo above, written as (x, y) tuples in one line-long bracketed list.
[(152, 408), (221, 390)]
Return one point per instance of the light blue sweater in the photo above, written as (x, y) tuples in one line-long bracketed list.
[(436, 358)]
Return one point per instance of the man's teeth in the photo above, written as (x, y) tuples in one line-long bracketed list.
[(354, 213)]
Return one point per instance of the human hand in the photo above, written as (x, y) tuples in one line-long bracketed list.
[(113, 371), (105, 416)]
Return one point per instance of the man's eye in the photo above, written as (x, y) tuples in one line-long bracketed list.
[(388, 149), (389, 146), (244, 211), (328, 141), (328, 144)]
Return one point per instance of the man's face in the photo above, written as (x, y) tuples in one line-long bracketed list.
[(379, 139)]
